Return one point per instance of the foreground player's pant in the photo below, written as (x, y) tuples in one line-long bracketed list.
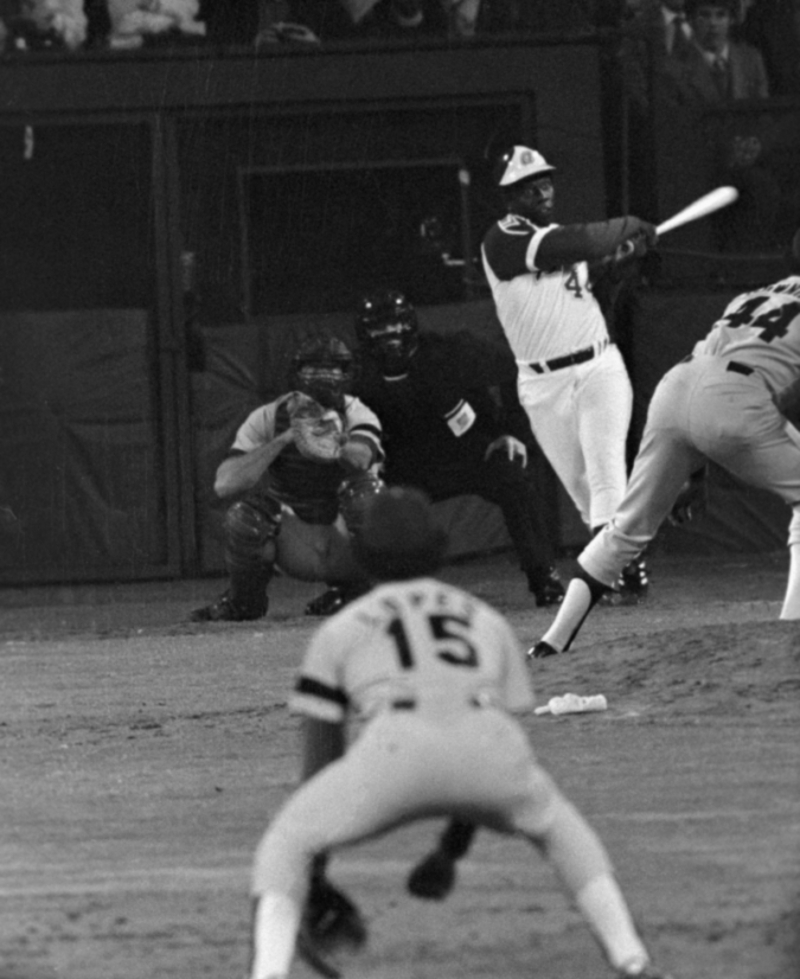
[(404, 767)]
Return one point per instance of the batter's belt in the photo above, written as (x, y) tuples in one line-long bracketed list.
[(568, 360)]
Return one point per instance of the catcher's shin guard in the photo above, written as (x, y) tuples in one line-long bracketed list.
[(355, 492), (250, 526)]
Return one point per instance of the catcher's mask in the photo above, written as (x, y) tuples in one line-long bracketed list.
[(399, 537), (388, 331), (323, 368)]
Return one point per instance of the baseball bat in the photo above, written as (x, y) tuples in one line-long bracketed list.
[(714, 200)]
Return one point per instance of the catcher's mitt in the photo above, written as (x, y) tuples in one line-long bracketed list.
[(318, 431), (331, 923)]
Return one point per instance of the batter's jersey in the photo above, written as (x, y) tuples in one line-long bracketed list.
[(761, 329), (309, 487), (543, 314), (422, 643)]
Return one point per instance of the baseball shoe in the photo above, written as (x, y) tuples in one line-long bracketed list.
[(330, 601), (226, 610), (632, 586), (542, 649), (546, 587)]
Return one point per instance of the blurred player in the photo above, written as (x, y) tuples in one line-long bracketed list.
[(572, 380), (443, 430), (435, 676), (293, 510), (734, 401)]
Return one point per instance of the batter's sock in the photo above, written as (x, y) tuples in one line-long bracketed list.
[(602, 905), (276, 920), (791, 601)]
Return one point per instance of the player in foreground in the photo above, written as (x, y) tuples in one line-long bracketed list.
[(298, 470), (435, 675), (734, 401), (572, 380)]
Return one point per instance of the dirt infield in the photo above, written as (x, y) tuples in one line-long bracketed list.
[(142, 757)]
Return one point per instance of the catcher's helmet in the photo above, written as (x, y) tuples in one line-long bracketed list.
[(323, 368), (387, 330), (520, 163), (399, 537)]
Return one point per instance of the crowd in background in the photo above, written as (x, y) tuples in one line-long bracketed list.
[(772, 26)]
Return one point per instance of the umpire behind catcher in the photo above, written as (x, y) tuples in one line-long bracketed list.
[(443, 430)]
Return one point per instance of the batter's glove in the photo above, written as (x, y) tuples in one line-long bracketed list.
[(318, 431), (331, 923)]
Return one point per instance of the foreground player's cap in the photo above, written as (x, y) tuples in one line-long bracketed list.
[(522, 163)]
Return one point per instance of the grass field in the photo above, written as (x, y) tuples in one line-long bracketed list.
[(142, 757)]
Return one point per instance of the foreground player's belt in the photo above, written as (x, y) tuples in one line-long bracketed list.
[(408, 703), (579, 357)]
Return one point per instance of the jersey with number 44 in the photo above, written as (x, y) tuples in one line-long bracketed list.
[(762, 330), (420, 642), (544, 314)]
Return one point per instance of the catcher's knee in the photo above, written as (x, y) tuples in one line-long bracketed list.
[(355, 492), (249, 528)]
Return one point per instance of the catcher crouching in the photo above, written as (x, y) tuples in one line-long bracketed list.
[(298, 473)]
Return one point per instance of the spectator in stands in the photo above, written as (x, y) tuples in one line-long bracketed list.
[(656, 32), (773, 26), (411, 15), (278, 24), (715, 68)]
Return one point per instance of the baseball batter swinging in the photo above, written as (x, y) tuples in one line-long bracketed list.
[(572, 380), (735, 401), (435, 676)]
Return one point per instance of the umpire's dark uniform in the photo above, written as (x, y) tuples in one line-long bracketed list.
[(419, 412)]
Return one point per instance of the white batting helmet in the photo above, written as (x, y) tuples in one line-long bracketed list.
[(521, 163)]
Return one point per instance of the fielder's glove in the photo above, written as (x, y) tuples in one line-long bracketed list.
[(318, 431), (331, 923), (433, 877), (691, 501)]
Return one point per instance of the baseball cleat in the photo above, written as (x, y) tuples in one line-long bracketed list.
[(330, 601), (542, 649), (226, 610), (547, 589), (632, 586)]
